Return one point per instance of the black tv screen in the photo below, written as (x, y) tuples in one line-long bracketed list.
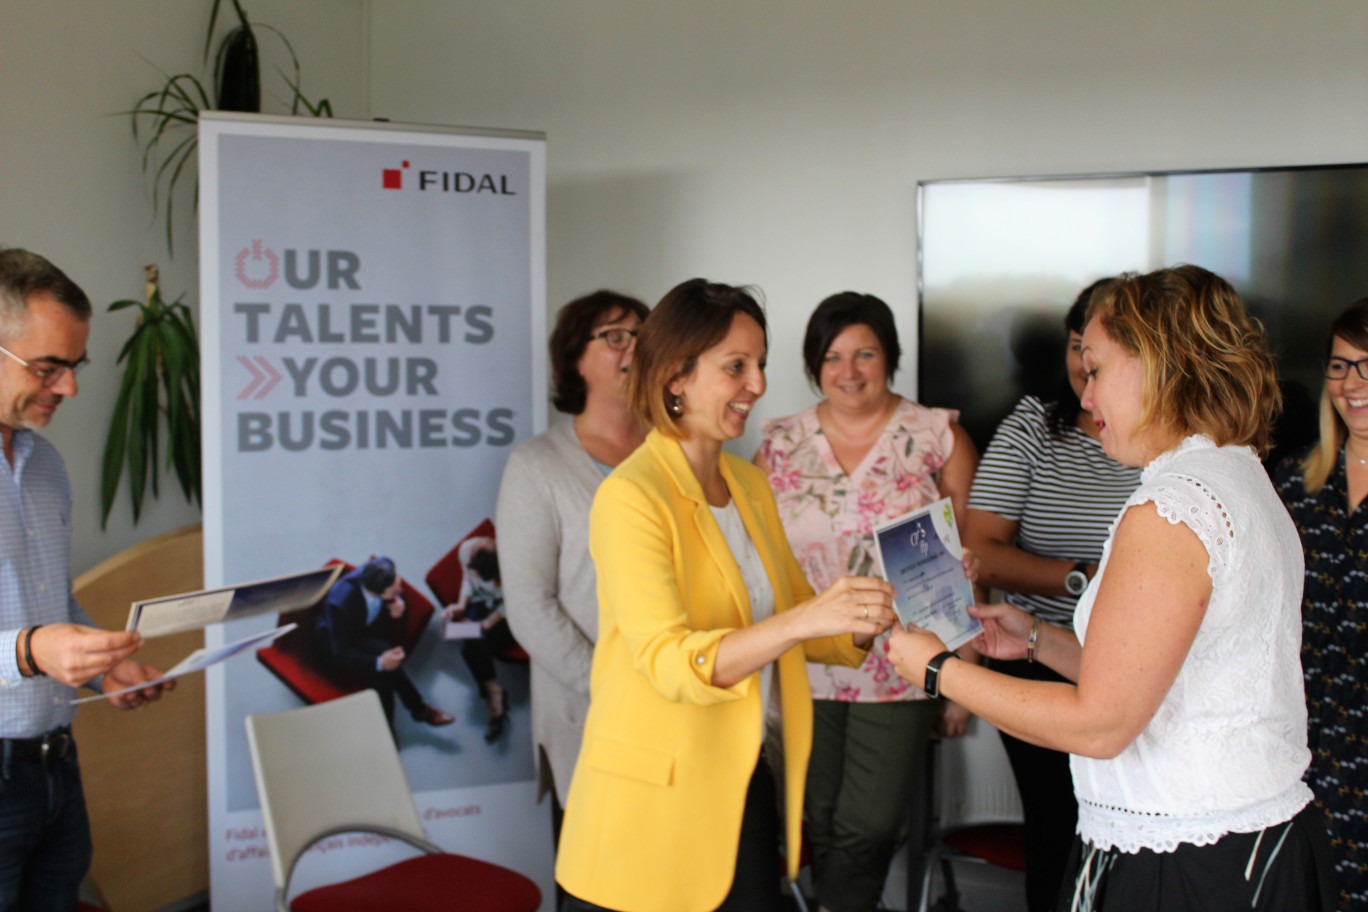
[(1001, 260)]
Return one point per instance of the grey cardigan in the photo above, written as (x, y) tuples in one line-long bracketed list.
[(549, 589)]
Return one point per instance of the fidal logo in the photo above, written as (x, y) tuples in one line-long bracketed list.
[(258, 277), (463, 182), (393, 178)]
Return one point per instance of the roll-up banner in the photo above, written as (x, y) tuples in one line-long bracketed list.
[(372, 312)]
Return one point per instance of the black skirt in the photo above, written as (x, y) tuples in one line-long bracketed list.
[(1286, 867)]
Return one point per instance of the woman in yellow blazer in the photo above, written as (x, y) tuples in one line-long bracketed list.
[(705, 624)]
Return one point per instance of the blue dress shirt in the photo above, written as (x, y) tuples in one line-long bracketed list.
[(35, 580)]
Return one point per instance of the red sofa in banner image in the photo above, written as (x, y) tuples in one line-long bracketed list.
[(290, 658), (446, 576)]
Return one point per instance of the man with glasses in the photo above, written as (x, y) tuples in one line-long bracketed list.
[(48, 644)]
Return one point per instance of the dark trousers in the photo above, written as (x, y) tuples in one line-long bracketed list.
[(866, 762), (386, 684), (389, 684), (755, 885), (1286, 867), (45, 847), (1047, 801), (479, 653)]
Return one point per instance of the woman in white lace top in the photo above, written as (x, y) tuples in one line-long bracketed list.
[(1186, 719)]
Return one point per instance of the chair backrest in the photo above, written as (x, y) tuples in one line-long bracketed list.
[(324, 768)]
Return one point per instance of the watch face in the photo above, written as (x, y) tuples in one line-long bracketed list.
[(1075, 582)]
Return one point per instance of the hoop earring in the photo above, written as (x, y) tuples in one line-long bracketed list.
[(675, 404)]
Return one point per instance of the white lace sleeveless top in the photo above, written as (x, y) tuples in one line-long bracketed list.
[(1226, 751)]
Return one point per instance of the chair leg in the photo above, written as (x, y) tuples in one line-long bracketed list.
[(951, 900), (928, 869)]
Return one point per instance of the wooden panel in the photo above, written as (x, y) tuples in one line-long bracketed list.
[(144, 770)]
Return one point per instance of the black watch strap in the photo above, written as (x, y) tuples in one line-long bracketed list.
[(933, 667)]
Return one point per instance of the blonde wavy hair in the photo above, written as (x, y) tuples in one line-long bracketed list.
[(1208, 369), (1352, 327)]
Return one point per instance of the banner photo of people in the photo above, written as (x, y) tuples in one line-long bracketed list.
[(373, 316)]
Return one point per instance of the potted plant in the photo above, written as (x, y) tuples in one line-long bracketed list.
[(161, 378), (165, 120), (161, 383)]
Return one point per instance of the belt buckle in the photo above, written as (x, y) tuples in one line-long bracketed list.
[(55, 747)]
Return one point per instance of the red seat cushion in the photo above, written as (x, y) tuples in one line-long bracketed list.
[(1002, 844), (294, 669), (290, 657), (447, 882), (444, 579)]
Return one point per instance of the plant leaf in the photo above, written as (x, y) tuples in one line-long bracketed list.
[(116, 443)]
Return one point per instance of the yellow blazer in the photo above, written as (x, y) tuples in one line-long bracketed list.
[(653, 815)]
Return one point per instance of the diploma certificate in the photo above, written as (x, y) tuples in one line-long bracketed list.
[(921, 555)]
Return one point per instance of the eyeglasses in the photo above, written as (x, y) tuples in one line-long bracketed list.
[(49, 376), (618, 339), (1338, 368)]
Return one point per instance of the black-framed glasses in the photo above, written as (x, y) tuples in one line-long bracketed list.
[(49, 376), (618, 339), (1338, 368)]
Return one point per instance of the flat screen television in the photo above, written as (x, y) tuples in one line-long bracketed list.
[(1001, 260)]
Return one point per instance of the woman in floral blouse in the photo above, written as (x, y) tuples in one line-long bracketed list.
[(859, 457), (1324, 490)]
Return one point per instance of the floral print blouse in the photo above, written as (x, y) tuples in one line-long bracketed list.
[(830, 517)]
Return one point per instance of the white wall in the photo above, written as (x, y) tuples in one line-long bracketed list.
[(73, 190), (780, 142), (771, 141)]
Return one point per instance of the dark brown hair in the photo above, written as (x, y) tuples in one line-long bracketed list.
[(570, 338), (691, 318), (840, 311), (1062, 413)]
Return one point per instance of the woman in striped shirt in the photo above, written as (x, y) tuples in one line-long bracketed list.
[(1042, 502)]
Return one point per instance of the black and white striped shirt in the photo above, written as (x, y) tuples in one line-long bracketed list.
[(1062, 492)]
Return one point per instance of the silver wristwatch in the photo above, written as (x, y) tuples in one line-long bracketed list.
[(1077, 579)]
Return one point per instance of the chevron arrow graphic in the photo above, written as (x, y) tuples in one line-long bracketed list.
[(274, 376), (257, 376)]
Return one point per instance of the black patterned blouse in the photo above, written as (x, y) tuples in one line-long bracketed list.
[(1335, 663)]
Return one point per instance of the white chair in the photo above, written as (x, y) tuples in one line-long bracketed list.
[(333, 768)]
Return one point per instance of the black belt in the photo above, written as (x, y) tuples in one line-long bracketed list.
[(48, 748)]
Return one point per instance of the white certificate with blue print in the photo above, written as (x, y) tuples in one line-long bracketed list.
[(921, 555)]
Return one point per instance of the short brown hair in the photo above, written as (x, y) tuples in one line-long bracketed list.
[(691, 318), (1208, 369), (570, 338)]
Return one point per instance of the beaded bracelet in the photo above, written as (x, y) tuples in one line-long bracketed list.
[(34, 670)]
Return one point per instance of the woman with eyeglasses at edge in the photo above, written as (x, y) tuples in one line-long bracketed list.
[(1324, 489), (1043, 499), (861, 456), (705, 625), (1185, 717), (542, 518)]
